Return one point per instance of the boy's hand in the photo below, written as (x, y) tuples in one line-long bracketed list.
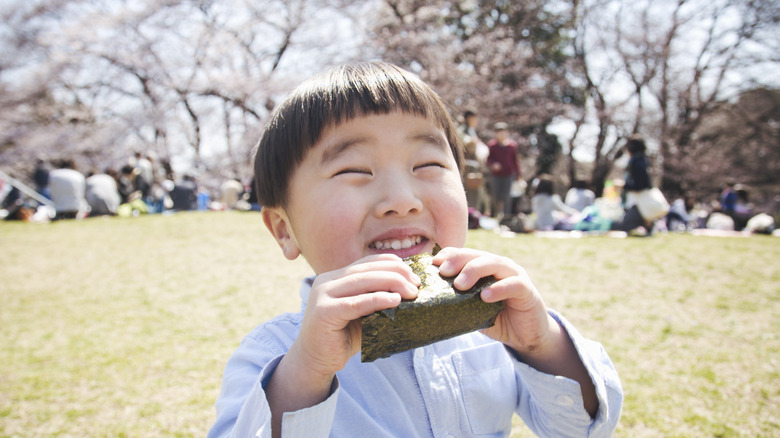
[(331, 330), (524, 325)]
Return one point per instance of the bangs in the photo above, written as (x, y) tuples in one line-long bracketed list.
[(358, 90)]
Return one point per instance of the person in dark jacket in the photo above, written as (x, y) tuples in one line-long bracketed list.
[(637, 180)]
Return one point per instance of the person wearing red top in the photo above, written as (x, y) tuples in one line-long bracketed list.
[(504, 168)]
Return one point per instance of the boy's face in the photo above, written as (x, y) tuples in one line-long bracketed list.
[(374, 184)]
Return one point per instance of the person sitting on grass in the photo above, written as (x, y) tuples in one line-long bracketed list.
[(355, 170), (550, 211)]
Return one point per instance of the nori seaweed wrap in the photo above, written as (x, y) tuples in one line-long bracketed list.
[(439, 312)]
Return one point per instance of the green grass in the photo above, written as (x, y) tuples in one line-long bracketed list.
[(121, 327)]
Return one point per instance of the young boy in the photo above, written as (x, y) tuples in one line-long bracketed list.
[(357, 169)]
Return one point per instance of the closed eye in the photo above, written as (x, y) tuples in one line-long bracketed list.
[(349, 171), (431, 164)]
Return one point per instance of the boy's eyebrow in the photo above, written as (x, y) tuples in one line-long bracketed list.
[(333, 151), (433, 139)]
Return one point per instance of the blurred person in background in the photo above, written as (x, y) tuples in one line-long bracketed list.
[(230, 192), (637, 180), (41, 177), (185, 194), (681, 216), (102, 193), (474, 167), (144, 176), (743, 209), (68, 187), (504, 167), (579, 195), (125, 182), (728, 198), (547, 206)]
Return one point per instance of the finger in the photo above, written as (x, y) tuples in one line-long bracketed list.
[(383, 262), (452, 260), (372, 282), (469, 266), (339, 312), (517, 293), (498, 266)]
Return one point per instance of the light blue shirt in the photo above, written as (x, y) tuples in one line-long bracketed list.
[(466, 386)]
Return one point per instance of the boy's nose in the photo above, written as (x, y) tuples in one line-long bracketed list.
[(398, 198)]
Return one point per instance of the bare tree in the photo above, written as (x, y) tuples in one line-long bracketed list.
[(722, 59), (194, 80), (190, 80), (508, 60), (739, 140), (659, 68)]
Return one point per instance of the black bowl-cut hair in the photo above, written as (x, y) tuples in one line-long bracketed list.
[(338, 95)]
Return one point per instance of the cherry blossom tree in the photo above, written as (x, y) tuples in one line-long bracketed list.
[(191, 81), (508, 60)]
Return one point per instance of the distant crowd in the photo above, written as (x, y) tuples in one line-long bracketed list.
[(500, 198), (497, 194), (143, 185)]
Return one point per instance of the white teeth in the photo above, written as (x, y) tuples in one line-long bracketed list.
[(397, 244)]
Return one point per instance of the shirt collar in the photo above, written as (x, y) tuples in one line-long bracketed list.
[(306, 290)]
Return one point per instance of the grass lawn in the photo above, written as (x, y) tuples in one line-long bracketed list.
[(121, 327)]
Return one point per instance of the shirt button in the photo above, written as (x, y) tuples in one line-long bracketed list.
[(564, 400)]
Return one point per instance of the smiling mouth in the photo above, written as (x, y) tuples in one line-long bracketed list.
[(396, 244)]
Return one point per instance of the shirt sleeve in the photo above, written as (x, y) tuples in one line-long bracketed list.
[(254, 413), (315, 421), (552, 406), (242, 406)]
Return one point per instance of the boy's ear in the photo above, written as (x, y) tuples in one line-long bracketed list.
[(275, 219)]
